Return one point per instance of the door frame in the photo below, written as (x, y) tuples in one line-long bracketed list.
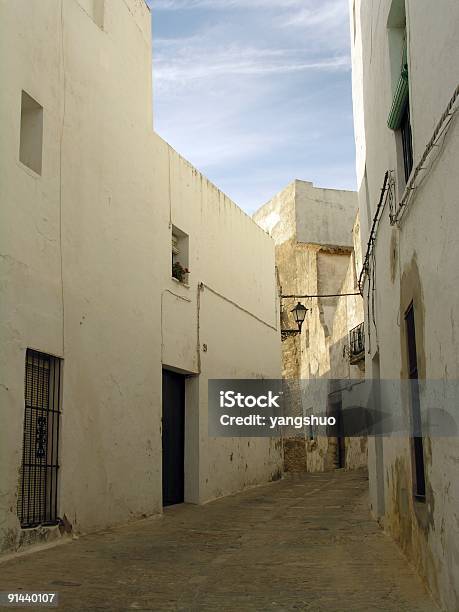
[(192, 489)]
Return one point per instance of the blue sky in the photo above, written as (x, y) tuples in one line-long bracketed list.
[(256, 93)]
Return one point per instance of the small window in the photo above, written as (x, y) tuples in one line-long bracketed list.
[(95, 10), (31, 140), (399, 115), (38, 485), (180, 269)]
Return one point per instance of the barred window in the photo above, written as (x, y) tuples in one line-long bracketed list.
[(38, 482)]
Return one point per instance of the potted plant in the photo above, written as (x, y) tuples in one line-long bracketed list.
[(179, 272)]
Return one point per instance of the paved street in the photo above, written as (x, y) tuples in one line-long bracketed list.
[(300, 544)]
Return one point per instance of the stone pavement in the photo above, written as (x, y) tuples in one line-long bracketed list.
[(301, 544)]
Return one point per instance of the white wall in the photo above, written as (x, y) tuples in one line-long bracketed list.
[(86, 276), (278, 215), (309, 214), (324, 216), (416, 261), (237, 314)]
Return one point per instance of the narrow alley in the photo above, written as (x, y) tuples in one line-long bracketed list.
[(304, 543)]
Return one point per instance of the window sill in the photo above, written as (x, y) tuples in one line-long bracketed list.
[(182, 284), (28, 170)]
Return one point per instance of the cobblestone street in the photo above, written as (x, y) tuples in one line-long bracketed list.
[(297, 544)]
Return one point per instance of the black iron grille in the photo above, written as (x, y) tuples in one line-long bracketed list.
[(37, 496), (357, 340)]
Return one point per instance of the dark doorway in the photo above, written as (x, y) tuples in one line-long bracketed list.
[(340, 454), (173, 426)]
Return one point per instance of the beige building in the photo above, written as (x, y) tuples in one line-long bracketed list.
[(127, 281), (315, 234), (405, 55)]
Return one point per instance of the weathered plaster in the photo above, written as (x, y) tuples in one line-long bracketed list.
[(413, 262), (314, 230), (86, 273)]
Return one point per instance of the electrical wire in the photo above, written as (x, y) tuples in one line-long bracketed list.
[(373, 232), (328, 295), (61, 139), (440, 131)]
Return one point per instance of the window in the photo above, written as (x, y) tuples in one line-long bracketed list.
[(357, 343), (407, 142), (417, 445), (38, 486), (399, 115), (95, 10), (31, 138), (179, 255)]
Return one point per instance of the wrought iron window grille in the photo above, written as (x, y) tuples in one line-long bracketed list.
[(38, 481), (357, 343)]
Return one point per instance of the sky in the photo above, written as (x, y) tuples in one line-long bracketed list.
[(256, 93)]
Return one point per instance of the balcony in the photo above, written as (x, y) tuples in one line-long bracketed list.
[(357, 344)]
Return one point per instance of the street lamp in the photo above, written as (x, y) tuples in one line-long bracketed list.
[(299, 312)]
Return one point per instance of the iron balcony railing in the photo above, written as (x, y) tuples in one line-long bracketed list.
[(357, 342)]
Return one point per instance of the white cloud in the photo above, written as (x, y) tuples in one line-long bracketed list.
[(318, 41), (255, 98), (222, 4), (187, 65), (327, 15)]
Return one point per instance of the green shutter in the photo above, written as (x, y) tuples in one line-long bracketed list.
[(400, 97)]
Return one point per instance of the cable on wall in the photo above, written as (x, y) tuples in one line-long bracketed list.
[(397, 212), (374, 229), (324, 295), (200, 288), (236, 305), (439, 132), (61, 138), (369, 262), (179, 297)]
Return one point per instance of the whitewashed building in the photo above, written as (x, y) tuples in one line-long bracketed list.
[(127, 281), (405, 57), (315, 232)]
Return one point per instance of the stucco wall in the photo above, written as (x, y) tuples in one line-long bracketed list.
[(86, 272), (313, 232), (324, 216), (309, 214), (414, 262), (235, 315)]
